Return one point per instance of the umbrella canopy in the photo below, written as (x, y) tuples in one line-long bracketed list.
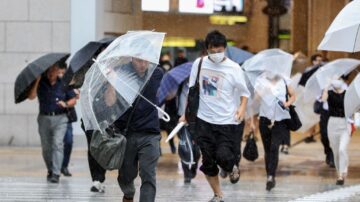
[(32, 71), (344, 32), (322, 78), (82, 61), (237, 55), (172, 80), (352, 97), (118, 76), (270, 60), (305, 110)]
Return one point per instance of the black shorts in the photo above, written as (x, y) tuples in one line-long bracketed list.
[(217, 145)]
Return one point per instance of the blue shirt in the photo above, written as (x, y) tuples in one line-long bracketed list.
[(145, 117), (49, 95)]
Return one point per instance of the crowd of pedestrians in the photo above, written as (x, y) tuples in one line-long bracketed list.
[(222, 111)]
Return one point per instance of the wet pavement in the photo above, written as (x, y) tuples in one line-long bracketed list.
[(302, 176)]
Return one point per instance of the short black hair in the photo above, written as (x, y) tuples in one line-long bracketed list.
[(61, 65), (313, 57), (215, 39)]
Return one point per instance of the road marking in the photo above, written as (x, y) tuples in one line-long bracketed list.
[(333, 195)]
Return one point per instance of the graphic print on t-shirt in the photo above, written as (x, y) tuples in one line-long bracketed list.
[(211, 83)]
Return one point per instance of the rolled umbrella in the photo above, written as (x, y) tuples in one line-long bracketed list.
[(352, 97), (82, 61), (113, 83), (32, 71), (344, 32), (237, 55), (172, 80), (322, 78)]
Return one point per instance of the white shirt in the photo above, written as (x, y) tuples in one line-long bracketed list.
[(274, 93), (219, 99)]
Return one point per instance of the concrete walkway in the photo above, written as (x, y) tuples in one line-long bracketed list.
[(301, 175)]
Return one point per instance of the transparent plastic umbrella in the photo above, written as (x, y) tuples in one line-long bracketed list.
[(344, 32), (266, 87), (118, 77), (272, 60), (305, 110), (352, 97), (323, 77)]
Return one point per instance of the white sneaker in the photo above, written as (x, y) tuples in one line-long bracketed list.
[(217, 199), (97, 187)]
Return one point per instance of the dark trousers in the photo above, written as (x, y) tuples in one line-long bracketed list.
[(286, 140), (97, 172), (68, 144), (272, 137), (324, 119), (237, 146), (217, 145), (141, 156)]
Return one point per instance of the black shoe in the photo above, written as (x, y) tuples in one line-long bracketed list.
[(126, 199), (187, 180), (65, 172), (340, 182), (48, 177), (310, 139), (54, 178), (331, 164), (270, 184)]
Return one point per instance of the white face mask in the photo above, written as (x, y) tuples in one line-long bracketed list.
[(337, 84), (217, 57)]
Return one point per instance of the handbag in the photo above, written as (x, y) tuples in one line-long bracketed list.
[(193, 102), (294, 122), (108, 147), (71, 114), (250, 152), (317, 107)]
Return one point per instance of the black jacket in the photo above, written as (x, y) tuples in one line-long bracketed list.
[(145, 116)]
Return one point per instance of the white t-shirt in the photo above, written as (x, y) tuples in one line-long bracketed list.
[(219, 99), (274, 93)]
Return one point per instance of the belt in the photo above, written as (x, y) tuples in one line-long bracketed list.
[(51, 113)]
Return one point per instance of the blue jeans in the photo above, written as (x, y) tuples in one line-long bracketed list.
[(68, 143)]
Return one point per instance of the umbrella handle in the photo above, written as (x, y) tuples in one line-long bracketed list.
[(165, 116)]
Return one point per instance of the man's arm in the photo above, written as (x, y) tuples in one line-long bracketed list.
[(67, 104), (240, 113), (33, 92)]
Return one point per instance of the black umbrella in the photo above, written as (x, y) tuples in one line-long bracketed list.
[(32, 71), (82, 61)]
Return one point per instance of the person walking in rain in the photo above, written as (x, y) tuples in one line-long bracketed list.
[(339, 129), (68, 139), (218, 115), (273, 116), (316, 62), (52, 119), (141, 126), (324, 119)]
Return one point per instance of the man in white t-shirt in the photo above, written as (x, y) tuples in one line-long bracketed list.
[(222, 85)]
